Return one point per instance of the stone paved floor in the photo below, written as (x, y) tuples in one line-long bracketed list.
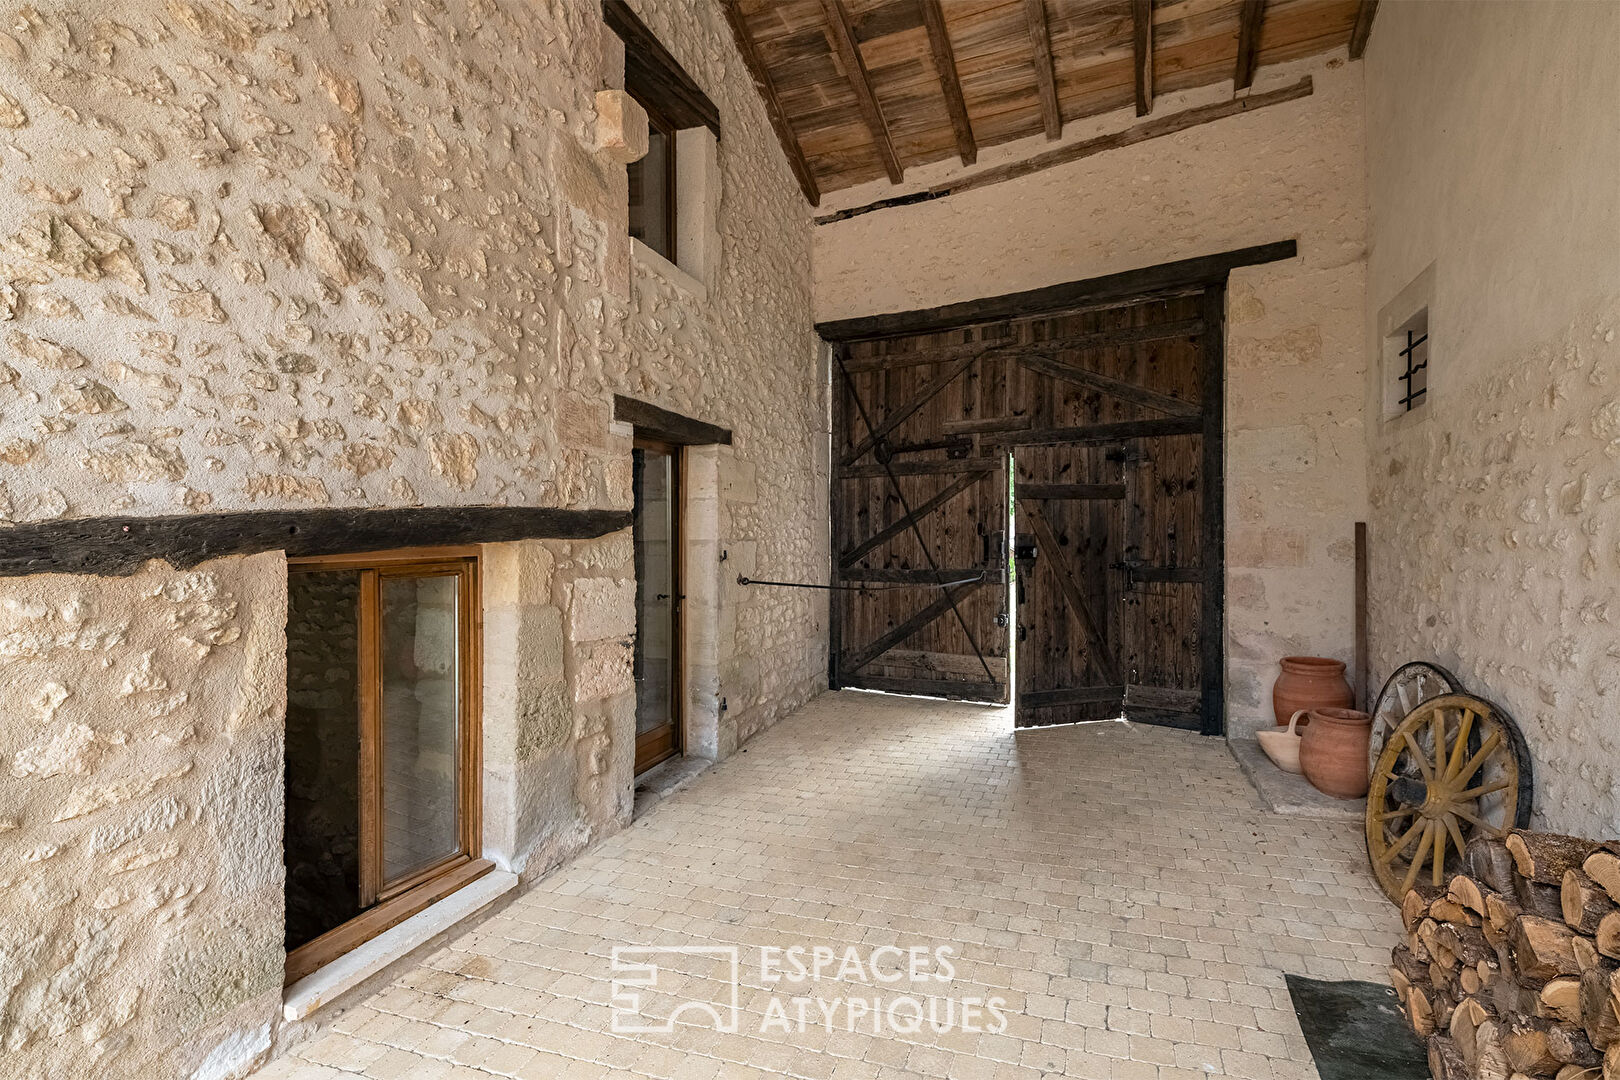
[(1119, 886)]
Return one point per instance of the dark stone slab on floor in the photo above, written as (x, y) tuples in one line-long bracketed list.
[(1356, 1031)]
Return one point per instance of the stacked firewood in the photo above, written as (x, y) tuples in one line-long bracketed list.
[(1513, 969)]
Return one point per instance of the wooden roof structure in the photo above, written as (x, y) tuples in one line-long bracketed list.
[(863, 89)]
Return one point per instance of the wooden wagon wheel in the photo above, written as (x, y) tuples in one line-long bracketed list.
[(1456, 767), (1409, 686)]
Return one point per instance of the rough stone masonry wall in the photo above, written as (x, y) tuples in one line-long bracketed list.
[(1295, 445), (303, 253), (1493, 158)]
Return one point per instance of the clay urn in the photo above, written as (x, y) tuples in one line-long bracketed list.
[(1333, 752), (1309, 682)]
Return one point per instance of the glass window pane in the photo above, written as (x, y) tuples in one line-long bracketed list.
[(323, 752), (421, 695), (653, 527), (650, 195)]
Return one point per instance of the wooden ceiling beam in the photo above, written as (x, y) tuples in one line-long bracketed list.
[(1254, 12), (1045, 80), (773, 105), (939, 43), (844, 44), (1363, 28), (1142, 38)]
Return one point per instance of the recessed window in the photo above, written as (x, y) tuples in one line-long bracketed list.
[(672, 202), (382, 761), (1412, 362), (652, 182)]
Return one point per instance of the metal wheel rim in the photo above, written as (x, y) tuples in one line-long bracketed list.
[(1407, 687)]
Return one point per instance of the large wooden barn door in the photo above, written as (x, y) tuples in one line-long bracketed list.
[(1100, 404), (920, 519), (1118, 515)]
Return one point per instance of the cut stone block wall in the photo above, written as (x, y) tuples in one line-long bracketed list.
[(1295, 446), (285, 254), (1493, 156)]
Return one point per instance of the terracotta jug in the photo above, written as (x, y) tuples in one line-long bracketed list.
[(1333, 752), (1309, 682)]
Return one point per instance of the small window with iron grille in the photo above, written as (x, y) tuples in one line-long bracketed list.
[(1407, 366)]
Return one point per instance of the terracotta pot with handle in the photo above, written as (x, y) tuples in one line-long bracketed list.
[(1309, 682), (1333, 752)]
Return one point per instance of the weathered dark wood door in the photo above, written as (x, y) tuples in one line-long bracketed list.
[(1109, 418), (920, 521), (1118, 515)]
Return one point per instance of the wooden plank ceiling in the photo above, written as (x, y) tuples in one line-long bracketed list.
[(863, 89)]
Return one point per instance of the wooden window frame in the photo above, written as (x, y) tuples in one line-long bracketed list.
[(677, 675), (658, 120), (385, 903)]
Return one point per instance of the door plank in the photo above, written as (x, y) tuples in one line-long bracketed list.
[(901, 414), (1119, 388), (1117, 431), (905, 521), (1072, 592), (859, 658), (1071, 491)]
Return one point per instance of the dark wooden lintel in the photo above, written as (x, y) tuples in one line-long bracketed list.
[(848, 49), (1249, 20), (1095, 339), (1106, 291), (118, 546), (950, 84), (1040, 41), (1363, 28), (1142, 42), (672, 427), (650, 69), (785, 135)]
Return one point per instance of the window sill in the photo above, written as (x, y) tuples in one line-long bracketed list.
[(331, 981), (651, 260)]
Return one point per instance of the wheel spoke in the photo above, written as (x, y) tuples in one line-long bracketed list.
[(1400, 845), (1439, 856), (1485, 751), (1490, 830), (1456, 833), (1388, 815), (1417, 860), (1417, 756), (1464, 726), (1482, 790), (1437, 736)]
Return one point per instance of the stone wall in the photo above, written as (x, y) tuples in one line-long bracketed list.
[(140, 816), (1493, 156), (294, 254), (1295, 445)]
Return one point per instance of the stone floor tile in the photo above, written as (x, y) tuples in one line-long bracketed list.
[(1135, 929)]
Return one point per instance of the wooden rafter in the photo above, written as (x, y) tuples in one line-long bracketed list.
[(1158, 127), (1040, 39), (849, 52), (1363, 28), (1142, 38), (1249, 20), (773, 105), (939, 43)]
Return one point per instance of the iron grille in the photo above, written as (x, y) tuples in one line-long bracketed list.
[(1415, 382)]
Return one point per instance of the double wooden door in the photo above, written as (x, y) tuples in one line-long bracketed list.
[(1040, 494)]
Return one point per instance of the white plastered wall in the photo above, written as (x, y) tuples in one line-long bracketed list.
[(1295, 368), (1494, 178)]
